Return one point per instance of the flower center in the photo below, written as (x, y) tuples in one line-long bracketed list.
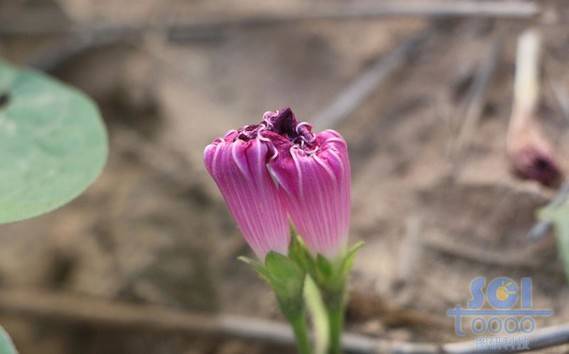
[(284, 123), (248, 132)]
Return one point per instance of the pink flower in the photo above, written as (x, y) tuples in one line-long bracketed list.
[(237, 163), (313, 171), (279, 168)]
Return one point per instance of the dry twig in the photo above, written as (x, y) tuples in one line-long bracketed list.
[(83, 37), (530, 152), (561, 96), (50, 23), (477, 96), (63, 308), (513, 259), (364, 85)]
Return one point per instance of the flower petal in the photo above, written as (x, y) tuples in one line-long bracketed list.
[(316, 188), (239, 170)]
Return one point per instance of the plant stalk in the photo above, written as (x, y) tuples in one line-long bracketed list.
[(300, 329), (336, 317), (334, 302)]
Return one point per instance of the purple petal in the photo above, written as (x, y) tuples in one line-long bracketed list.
[(316, 188), (239, 170)]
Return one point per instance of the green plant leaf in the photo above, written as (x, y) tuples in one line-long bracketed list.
[(6, 344), (53, 143), (559, 216)]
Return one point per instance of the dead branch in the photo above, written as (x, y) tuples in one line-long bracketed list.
[(71, 309), (530, 153), (477, 96), (47, 22), (461, 8), (80, 38), (410, 253), (514, 259), (561, 96), (364, 85)]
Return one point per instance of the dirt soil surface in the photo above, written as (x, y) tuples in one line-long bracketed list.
[(154, 230)]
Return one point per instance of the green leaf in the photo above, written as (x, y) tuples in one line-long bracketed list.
[(559, 216), (53, 143), (6, 344)]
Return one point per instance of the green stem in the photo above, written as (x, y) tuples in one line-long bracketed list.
[(319, 316), (335, 311), (298, 323)]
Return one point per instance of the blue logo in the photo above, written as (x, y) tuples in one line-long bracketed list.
[(500, 306)]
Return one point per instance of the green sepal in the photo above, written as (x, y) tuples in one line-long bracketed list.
[(330, 275), (299, 252), (257, 266), (324, 267), (6, 344), (286, 278), (348, 259)]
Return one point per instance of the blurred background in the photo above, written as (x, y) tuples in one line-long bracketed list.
[(421, 90)]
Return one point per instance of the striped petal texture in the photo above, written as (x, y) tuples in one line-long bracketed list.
[(278, 169), (237, 164), (315, 180)]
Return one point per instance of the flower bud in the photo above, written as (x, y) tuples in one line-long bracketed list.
[(237, 164), (314, 176)]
